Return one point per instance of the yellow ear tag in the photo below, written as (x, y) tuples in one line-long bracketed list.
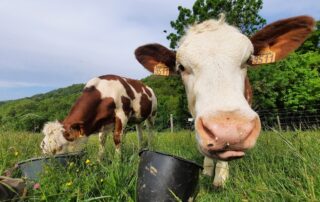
[(263, 58), (81, 133), (161, 69)]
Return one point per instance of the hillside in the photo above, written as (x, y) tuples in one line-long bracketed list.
[(31, 113)]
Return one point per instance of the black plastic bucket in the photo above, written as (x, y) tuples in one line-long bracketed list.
[(32, 168), (164, 177)]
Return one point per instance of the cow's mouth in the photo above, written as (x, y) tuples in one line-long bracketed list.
[(229, 155), (226, 155)]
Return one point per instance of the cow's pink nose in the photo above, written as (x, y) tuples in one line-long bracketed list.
[(227, 132)]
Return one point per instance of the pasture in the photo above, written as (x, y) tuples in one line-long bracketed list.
[(282, 167)]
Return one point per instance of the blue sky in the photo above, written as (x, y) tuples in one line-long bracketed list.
[(48, 44)]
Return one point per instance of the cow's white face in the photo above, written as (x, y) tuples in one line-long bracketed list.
[(55, 142), (207, 69), (212, 60)]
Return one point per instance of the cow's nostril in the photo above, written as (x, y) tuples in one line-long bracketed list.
[(210, 145)]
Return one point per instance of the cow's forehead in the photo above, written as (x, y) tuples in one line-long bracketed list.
[(213, 39), (208, 26)]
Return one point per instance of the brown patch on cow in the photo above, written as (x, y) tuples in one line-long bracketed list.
[(105, 113), (152, 54), (117, 131), (126, 105), (126, 86), (91, 112), (110, 77), (148, 91), (90, 98), (248, 91), (89, 89), (146, 106), (139, 87), (283, 36), (82, 112)]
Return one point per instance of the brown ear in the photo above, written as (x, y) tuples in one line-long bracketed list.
[(157, 59), (283, 36), (75, 131)]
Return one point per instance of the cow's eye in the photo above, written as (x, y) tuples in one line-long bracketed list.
[(181, 68)]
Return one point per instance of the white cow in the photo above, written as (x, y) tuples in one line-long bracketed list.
[(212, 59)]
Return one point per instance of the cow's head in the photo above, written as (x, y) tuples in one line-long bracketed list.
[(212, 59), (58, 140)]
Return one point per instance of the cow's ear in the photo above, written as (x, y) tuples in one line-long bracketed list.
[(157, 59), (75, 131), (275, 41)]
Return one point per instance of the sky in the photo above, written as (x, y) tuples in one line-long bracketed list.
[(49, 44)]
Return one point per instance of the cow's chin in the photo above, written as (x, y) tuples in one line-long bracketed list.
[(226, 155)]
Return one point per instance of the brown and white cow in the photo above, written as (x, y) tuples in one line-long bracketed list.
[(107, 102), (212, 59)]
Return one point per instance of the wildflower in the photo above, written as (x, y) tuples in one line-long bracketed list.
[(69, 184), (16, 153), (36, 186), (88, 161), (101, 180)]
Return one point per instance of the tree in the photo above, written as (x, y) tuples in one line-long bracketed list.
[(293, 83), (171, 100), (313, 42), (240, 13), (31, 122)]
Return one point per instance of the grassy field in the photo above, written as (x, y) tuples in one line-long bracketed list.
[(282, 167)]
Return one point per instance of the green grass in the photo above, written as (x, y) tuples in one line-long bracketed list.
[(282, 167)]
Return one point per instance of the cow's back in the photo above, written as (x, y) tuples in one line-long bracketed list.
[(131, 97)]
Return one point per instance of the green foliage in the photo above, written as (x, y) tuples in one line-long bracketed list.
[(313, 42), (277, 169), (291, 83), (240, 13), (172, 99), (31, 122)]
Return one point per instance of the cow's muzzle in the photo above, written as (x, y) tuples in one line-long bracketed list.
[(227, 136)]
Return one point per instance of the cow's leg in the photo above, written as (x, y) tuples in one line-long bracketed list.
[(119, 125), (150, 125), (139, 133), (221, 174), (207, 166), (102, 145)]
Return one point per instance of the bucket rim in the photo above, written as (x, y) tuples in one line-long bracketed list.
[(171, 155), (66, 155)]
